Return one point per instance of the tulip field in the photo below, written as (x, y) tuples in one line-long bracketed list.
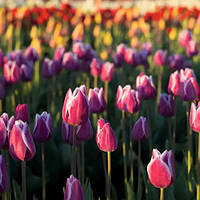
[(101, 105)]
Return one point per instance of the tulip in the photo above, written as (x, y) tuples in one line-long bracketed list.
[(75, 108), (176, 61), (121, 49), (184, 37), (120, 96), (95, 67), (26, 71), (148, 47), (140, 130), (192, 48), (3, 133), (174, 82), (107, 71), (143, 57), (131, 101), (31, 54), (84, 132), (97, 103), (73, 189), (57, 58), (18, 57), (1, 59), (48, 69), (42, 131), (160, 58), (2, 87), (70, 61), (80, 49), (132, 57), (11, 72), (160, 170), (21, 112), (117, 60), (145, 86), (4, 175), (166, 106)]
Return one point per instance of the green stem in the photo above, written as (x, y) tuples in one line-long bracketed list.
[(74, 153), (104, 168), (106, 90), (43, 172), (95, 81), (83, 163), (37, 73), (159, 84), (78, 162), (131, 151), (150, 135), (8, 172), (23, 180)]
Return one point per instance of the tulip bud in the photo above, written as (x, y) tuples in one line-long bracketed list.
[(4, 175), (195, 117), (131, 101), (73, 189), (160, 170), (11, 72), (67, 134), (75, 108), (145, 86), (120, 96), (18, 57), (174, 82), (176, 61), (107, 71), (59, 53), (95, 67), (79, 49), (31, 54), (140, 130), (26, 72), (84, 132), (48, 69), (184, 37), (21, 145), (117, 60), (105, 137), (166, 106), (160, 58), (42, 131), (3, 133), (148, 47), (143, 55), (192, 48), (70, 61), (121, 49), (21, 112), (132, 57), (97, 103)]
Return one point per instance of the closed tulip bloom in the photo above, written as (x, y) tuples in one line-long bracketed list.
[(95, 67), (144, 58), (176, 61), (174, 82), (105, 137), (195, 117), (131, 101), (132, 57), (161, 170), (21, 145), (11, 72), (26, 72), (70, 61), (84, 132), (166, 106), (4, 175), (42, 131), (117, 59), (140, 130), (145, 86), (120, 96), (191, 48), (107, 71), (73, 189), (18, 57), (31, 54), (186, 74), (97, 103), (160, 58), (22, 113), (184, 37), (79, 49), (3, 133), (76, 108), (121, 49), (67, 134), (148, 47), (48, 69), (59, 53)]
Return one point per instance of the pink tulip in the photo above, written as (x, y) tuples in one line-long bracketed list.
[(95, 67), (174, 82), (105, 137), (161, 169), (184, 37), (160, 58), (195, 117), (22, 113), (192, 48), (107, 71)]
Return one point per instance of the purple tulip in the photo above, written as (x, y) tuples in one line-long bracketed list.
[(31, 54), (166, 106), (21, 112), (144, 58), (1, 59), (26, 72), (161, 170), (21, 145), (145, 86), (176, 61), (76, 108), (42, 131), (148, 47), (140, 130), (70, 61), (80, 49), (4, 175), (97, 103), (105, 137), (160, 58), (132, 57), (73, 189), (48, 69), (107, 71)]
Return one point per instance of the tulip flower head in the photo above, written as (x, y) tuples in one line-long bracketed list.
[(75, 108), (160, 170), (174, 82), (195, 117), (22, 113), (176, 61), (21, 145), (107, 71), (73, 189), (70, 61), (42, 131), (184, 37), (192, 48), (4, 175), (140, 130), (145, 86), (160, 58), (105, 137), (95, 67), (48, 69)]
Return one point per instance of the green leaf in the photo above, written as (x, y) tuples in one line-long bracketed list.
[(17, 191), (130, 192), (88, 193)]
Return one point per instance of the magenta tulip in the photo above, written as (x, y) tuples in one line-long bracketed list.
[(107, 71), (184, 37), (191, 48), (160, 58), (195, 117), (161, 169), (105, 137), (174, 82), (31, 54), (95, 67), (4, 175), (22, 113)]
